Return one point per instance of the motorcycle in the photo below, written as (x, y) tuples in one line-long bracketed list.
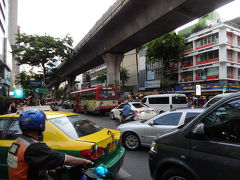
[(123, 120), (81, 173)]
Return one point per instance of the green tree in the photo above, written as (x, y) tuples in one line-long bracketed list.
[(42, 51), (24, 79), (168, 49), (124, 76), (61, 93), (102, 77)]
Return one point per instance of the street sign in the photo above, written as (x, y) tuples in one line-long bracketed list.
[(41, 90), (35, 83), (198, 90)]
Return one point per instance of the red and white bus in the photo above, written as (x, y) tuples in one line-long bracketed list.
[(98, 99)]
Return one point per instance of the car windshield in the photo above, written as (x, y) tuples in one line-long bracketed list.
[(75, 126), (139, 105)]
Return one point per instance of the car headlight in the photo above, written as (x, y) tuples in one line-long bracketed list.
[(153, 147)]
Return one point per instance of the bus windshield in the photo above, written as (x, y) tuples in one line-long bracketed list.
[(107, 94)]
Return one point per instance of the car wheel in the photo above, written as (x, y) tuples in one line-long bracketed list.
[(112, 115), (176, 174), (131, 141)]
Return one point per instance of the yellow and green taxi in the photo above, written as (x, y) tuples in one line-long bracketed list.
[(70, 133)]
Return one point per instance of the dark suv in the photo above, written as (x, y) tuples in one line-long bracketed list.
[(208, 148)]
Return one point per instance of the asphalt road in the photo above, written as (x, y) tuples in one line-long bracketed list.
[(135, 166)]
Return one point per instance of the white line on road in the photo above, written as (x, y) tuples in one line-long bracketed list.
[(122, 174)]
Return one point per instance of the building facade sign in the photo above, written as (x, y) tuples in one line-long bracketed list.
[(152, 84), (210, 87)]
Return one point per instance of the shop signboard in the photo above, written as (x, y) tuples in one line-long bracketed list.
[(152, 84), (210, 86), (198, 90)]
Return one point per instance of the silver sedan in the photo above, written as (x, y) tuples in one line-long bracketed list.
[(137, 133)]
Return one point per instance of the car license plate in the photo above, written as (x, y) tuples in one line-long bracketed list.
[(111, 146), (147, 111)]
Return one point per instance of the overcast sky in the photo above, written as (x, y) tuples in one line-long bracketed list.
[(76, 17)]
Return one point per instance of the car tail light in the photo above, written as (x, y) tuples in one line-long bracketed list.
[(139, 112), (120, 139), (93, 154), (154, 110)]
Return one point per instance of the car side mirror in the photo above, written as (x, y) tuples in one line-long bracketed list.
[(152, 123), (198, 129)]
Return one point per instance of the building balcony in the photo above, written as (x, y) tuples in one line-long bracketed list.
[(230, 76), (204, 46), (187, 51), (232, 60), (208, 77), (186, 79), (207, 61), (186, 65)]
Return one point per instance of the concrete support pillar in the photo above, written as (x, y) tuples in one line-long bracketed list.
[(113, 62), (223, 53), (70, 84), (222, 35), (222, 70)]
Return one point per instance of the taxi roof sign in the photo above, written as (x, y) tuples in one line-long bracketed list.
[(42, 108)]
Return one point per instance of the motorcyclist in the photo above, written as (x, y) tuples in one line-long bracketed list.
[(127, 111), (29, 157)]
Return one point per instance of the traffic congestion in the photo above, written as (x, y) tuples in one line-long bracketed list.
[(119, 90), (73, 134)]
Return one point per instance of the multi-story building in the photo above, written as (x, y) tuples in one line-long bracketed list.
[(8, 30), (212, 59)]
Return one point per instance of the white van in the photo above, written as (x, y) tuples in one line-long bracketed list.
[(165, 102)]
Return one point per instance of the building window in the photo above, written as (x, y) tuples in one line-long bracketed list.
[(229, 54), (238, 41), (189, 46), (208, 56), (230, 72), (187, 76), (229, 37), (213, 71), (153, 71), (187, 61), (238, 56), (208, 72), (208, 40)]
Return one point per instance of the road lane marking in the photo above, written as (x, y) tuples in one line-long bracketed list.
[(122, 174)]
